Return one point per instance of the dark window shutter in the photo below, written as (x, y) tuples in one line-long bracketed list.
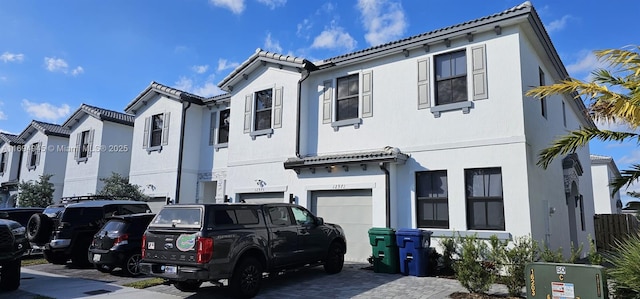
[(78, 149), (145, 137), (248, 101), (212, 129), (38, 153), (423, 84), (479, 65), (326, 102), (277, 108), (28, 152), (367, 94), (165, 128), (90, 143)]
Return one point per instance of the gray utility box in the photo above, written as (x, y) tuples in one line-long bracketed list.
[(565, 281)]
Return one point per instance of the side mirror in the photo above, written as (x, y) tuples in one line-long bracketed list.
[(319, 221)]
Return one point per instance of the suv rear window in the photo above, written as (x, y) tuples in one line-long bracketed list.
[(113, 226), (178, 217), (234, 216)]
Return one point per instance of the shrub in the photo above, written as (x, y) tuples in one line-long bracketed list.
[(36, 194), (625, 270), (449, 245), (516, 258), (472, 271), (575, 253), (595, 258), (550, 256)]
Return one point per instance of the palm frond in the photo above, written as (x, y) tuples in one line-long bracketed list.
[(627, 177), (576, 139)]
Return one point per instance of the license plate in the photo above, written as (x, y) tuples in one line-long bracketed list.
[(170, 269), (96, 257)]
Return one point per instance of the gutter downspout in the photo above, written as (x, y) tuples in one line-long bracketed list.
[(179, 178), (306, 75), (387, 192)]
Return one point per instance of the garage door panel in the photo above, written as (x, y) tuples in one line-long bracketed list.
[(267, 197), (352, 210)]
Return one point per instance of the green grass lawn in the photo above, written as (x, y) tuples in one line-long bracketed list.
[(142, 284)]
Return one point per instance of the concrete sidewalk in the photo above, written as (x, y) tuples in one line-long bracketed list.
[(51, 285)]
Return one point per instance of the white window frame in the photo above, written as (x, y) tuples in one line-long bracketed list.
[(364, 99), (250, 111), (148, 131)]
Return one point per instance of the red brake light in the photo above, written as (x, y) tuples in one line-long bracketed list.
[(205, 250), (121, 239), (144, 246)]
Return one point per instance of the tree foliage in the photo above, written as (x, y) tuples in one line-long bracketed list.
[(36, 194), (118, 187), (613, 96)]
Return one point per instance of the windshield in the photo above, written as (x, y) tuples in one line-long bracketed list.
[(178, 217), (53, 212), (114, 226)]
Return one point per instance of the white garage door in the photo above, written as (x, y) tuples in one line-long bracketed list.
[(351, 209), (267, 197)]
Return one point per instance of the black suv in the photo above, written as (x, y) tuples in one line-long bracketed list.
[(190, 244), (22, 216), (12, 246), (119, 242), (66, 230)]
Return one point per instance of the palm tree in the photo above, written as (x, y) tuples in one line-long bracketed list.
[(613, 96)]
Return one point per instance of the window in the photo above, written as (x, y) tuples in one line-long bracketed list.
[(84, 142), (279, 216), (432, 199), (262, 112), (34, 156), (264, 102), (485, 207), (564, 114), (3, 162), (302, 216), (347, 98), (451, 78), (223, 126), (156, 131), (543, 101)]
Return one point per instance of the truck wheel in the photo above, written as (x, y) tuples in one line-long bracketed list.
[(188, 286), (246, 279), (39, 228), (335, 259), (10, 275)]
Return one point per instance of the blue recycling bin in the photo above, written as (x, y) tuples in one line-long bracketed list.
[(413, 245)]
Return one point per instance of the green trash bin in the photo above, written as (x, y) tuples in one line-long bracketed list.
[(384, 250)]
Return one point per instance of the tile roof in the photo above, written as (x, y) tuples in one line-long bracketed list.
[(166, 90), (101, 114), (48, 129), (388, 154), (11, 139)]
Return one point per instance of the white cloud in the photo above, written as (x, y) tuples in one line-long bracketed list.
[(303, 28), (11, 57), (384, 20), (271, 44), (272, 4), (200, 69), (223, 64), (3, 116), (585, 64), (207, 89), (53, 64), (558, 25), (235, 6), (45, 111), (334, 38)]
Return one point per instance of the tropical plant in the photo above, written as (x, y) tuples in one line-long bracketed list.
[(118, 187), (473, 271), (594, 257), (550, 256), (449, 245), (625, 270), (613, 96), (36, 194)]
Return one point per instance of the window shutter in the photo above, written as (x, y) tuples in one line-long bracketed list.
[(423, 84), (248, 101), (165, 128), (367, 94), (90, 143), (38, 153), (28, 152), (78, 149), (326, 102), (147, 127), (479, 67), (212, 129), (277, 108)]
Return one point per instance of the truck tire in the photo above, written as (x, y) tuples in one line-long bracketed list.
[(246, 279), (10, 276), (188, 286), (39, 228), (334, 261)]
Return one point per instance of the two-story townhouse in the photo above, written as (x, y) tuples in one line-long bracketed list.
[(99, 145), (45, 152), (165, 147), (604, 172), (432, 131), (10, 155)]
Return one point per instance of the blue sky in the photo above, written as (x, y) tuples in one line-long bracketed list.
[(56, 55)]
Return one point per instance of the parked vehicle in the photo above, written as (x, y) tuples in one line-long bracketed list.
[(66, 230), (12, 246), (190, 244), (119, 242), (22, 215)]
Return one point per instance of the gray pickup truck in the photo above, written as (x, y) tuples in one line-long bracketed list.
[(13, 245), (191, 244)]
